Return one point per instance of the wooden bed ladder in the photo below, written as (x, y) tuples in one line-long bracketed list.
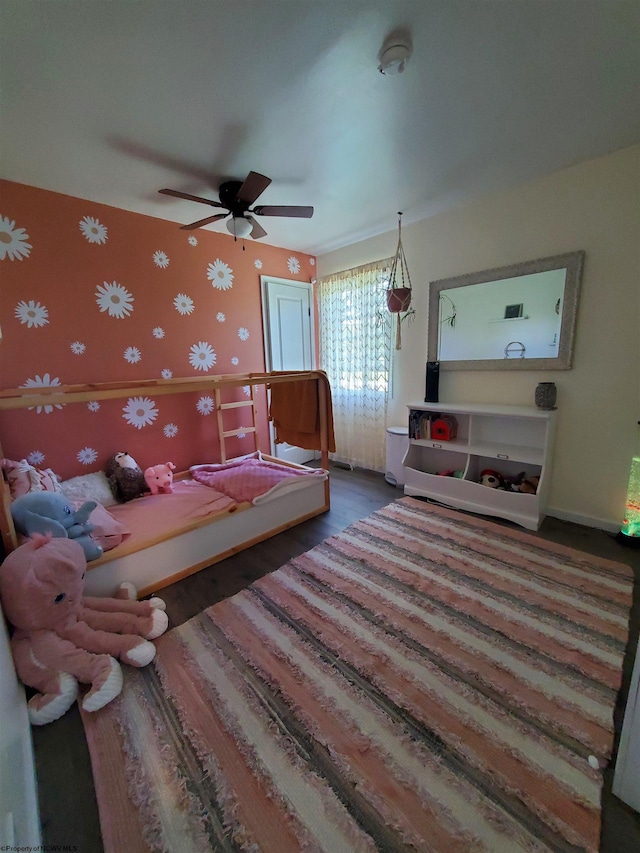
[(222, 407)]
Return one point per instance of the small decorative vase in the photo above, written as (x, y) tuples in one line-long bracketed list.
[(545, 396)]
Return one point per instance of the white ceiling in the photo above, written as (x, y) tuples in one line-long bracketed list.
[(110, 101)]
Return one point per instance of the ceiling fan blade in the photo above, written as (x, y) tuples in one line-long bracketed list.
[(189, 197), (257, 231), (202, 222), (254, 185), (283, 210)]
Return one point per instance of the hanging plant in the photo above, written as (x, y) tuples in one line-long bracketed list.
[(399, 290)]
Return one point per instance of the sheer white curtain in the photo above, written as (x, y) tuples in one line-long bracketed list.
[(355, 352)]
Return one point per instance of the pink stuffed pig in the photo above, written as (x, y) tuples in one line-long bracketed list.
[(62, 638), (159, 478)]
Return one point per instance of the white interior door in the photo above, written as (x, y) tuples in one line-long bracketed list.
[(288, 335)]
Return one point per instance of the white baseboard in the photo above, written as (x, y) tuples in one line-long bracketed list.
[(585, 520)]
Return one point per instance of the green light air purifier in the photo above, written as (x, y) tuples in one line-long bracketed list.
[(630, 530)]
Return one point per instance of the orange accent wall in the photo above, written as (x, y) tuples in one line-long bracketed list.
[(91, 293)]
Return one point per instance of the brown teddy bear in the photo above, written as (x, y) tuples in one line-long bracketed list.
[(125, 476)]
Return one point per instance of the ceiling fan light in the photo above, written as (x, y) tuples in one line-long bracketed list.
[(239, 227)]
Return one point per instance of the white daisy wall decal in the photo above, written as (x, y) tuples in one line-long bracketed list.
[(77, 347), (31, 313), (132, 355), (257, 264), (167, 373), (220, 317), (220, 275), (243, 333), (246, 389), (312, 261), (93, 406), (170, 430), (242, 434), (161, 260), (115, 299), (192, 240), (294, 264), (87, 456), (140, 412), (44, 381), (235, 361), (36, 457), (158, 332), (94, 231), (13, 241), (183, 304), (202, 356), (205, 405)]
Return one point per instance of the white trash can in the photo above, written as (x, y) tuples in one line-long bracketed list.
[(397, 444)]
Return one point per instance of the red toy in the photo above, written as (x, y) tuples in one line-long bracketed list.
[(61, 638), (444, 428)]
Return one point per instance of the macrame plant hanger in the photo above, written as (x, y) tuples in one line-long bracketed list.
[(399, 292)]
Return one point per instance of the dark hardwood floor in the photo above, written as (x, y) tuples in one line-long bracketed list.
[(68, 809)]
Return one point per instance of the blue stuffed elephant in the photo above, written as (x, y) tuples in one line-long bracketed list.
[(49, 512)]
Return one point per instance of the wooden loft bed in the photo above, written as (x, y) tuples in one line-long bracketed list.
[(162, 559)]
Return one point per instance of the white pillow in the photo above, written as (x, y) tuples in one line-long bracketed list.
[(89, 487)]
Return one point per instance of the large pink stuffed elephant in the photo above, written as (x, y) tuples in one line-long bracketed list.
[(61, 638)]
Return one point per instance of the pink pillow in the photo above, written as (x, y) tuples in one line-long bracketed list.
[(24, 478)]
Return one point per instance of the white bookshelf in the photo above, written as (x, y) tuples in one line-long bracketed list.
[(507, 439)]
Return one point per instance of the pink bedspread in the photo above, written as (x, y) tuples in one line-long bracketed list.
[(152, 515), (249, 478)]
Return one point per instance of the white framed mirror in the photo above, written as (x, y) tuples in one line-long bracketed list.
[(518, 317)]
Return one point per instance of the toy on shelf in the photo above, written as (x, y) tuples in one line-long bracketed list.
[(125, 476), (159, 478), (49, 512), (521, 483), (529, 485), (492, 479), (62, 639), (444, 428)]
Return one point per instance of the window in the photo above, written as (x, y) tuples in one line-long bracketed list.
[(355, 351)]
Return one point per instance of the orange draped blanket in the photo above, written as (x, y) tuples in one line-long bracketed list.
[(297, 409)]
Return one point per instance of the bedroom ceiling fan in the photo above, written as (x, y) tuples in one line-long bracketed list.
[(236, 197)]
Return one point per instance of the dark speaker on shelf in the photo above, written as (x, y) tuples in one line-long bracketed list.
[(433, 379)]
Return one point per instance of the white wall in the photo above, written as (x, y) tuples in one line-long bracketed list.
[(19, 822), (594, 206)]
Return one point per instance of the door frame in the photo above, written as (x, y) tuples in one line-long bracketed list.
[(303, 285), (265, 280)]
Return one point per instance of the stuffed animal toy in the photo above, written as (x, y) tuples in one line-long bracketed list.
[(491, 478), (24, 478), (529, 486), (125, 476), (49, 512), (159, 478), (61, 638)]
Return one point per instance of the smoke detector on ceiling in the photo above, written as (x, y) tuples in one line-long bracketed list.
[(394, 55)]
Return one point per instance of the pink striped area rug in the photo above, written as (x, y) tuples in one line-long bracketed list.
[(424, 681)]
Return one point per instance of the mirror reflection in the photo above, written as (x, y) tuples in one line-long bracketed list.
[(517, 317)]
